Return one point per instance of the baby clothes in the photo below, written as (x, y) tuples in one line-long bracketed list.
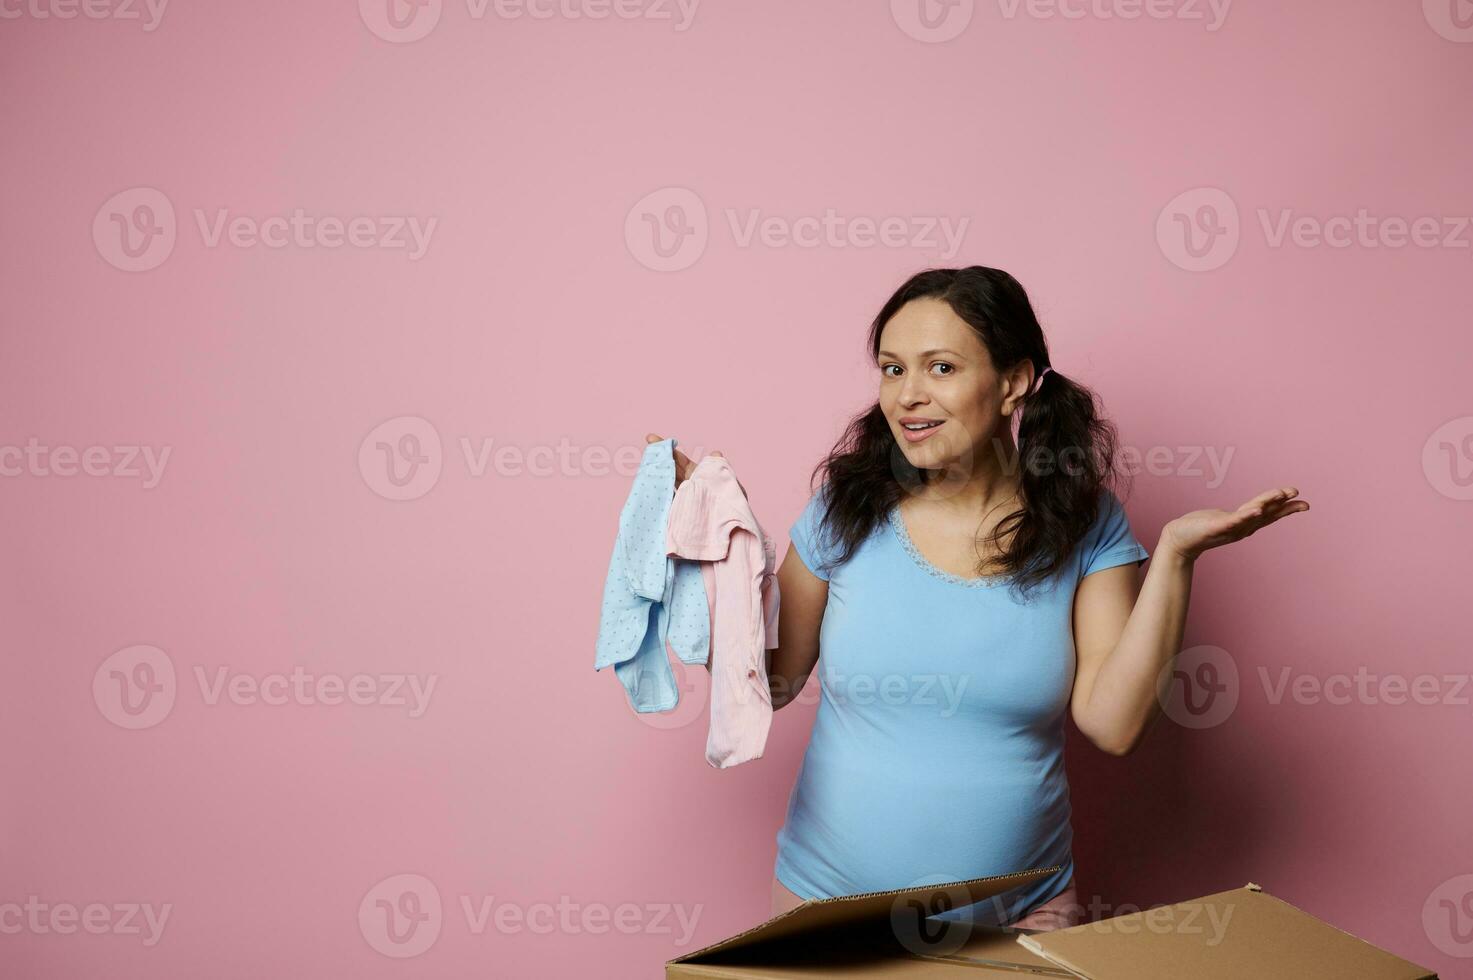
[(650, 598), (711, 521)]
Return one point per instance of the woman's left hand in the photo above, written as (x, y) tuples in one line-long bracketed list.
[(1191, 534)]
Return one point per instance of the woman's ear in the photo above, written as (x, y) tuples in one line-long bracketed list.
[(1015, 386)]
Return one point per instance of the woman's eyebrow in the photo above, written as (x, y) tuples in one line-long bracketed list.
[(924, 353)]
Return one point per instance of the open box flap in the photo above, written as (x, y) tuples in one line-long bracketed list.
[(818, 914), (1245, 932)]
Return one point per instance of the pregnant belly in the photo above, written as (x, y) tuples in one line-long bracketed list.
[(867, 828)]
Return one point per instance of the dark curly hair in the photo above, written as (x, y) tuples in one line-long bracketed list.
[(866, 474)]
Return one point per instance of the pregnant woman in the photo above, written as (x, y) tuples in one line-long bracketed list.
[(965, 574)]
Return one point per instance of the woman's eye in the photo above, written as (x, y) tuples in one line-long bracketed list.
[(940, 364), (886, 370)]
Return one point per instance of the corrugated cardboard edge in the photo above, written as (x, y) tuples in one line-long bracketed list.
[(1032, 944), (820, 912), (1422, 972)]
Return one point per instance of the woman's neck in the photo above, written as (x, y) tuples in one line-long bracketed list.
[(974, 493)]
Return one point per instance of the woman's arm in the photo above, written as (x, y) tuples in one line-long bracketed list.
[(799, 616), (1126, 632)]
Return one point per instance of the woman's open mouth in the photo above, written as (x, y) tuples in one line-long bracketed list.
[(917, 429)]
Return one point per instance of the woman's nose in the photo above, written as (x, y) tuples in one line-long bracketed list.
[(912, 390)]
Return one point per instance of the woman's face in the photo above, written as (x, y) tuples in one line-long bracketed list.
[(934, 369)]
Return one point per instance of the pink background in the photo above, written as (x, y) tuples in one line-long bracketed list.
[(533, 319)]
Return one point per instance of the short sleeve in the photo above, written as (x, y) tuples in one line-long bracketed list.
[(1110, 541), (810, 539)]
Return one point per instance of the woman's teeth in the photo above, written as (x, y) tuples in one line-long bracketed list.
[(918, 426)]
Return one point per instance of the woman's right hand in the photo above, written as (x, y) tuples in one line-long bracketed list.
[(683, 464)]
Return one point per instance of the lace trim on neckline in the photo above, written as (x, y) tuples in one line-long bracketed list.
[(897, 523)]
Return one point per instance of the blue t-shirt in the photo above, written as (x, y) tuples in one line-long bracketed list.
[(937, 753)]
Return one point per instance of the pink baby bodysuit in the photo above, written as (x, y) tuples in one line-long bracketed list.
[(711, 522)]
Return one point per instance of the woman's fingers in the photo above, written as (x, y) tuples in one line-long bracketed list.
[(1267, 508), (1267, 501), (1269, 497), (1283, 508), (683, 463)]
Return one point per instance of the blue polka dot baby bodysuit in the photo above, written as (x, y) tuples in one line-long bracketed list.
[(649, 597)]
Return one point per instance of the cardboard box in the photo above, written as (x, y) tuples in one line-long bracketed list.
[(1244, 932)]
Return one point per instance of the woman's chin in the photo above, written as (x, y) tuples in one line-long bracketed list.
[(926, 457)]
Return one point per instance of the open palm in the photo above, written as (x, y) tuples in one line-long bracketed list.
[(1191, 534)]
